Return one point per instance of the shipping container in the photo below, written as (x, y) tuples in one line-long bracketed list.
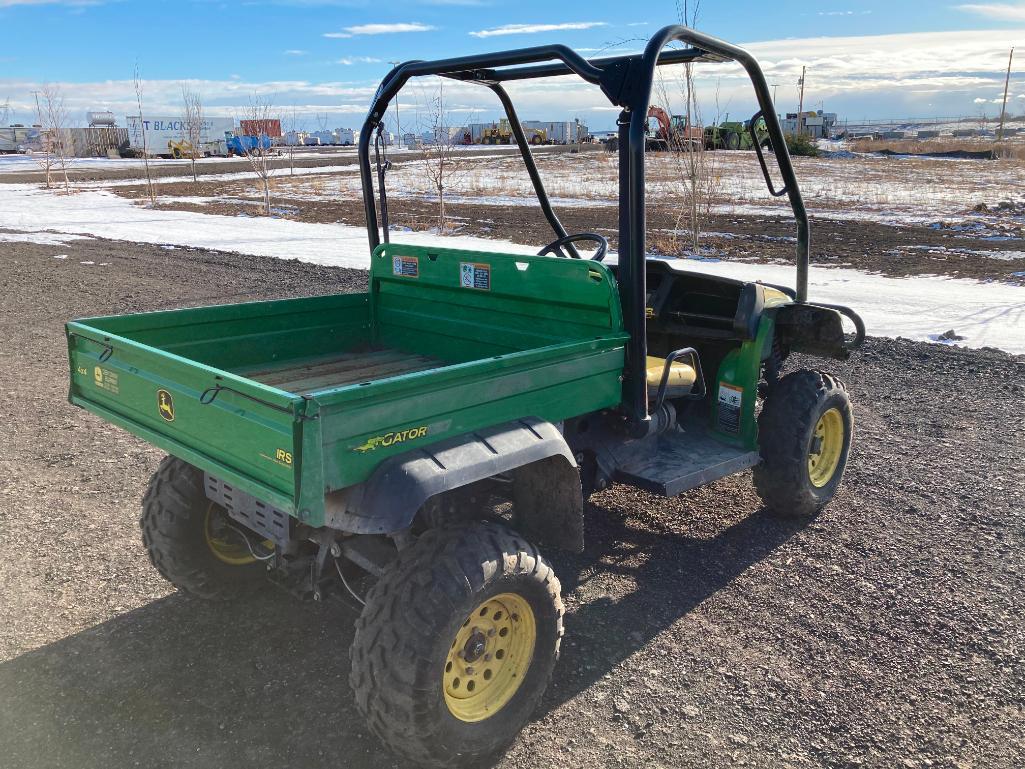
[(268, 127)]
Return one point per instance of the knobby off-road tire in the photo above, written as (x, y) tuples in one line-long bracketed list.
[(175, 519), (452, 607), (804, 436)]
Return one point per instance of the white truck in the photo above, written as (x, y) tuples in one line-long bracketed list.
[(162, 133)]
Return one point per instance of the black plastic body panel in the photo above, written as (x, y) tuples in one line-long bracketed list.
[(389, 500)]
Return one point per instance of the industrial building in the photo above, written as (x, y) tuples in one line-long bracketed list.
[(817, 124)]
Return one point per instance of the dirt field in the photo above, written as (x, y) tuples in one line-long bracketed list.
[(97, 170), (700, 632), (896, 251), (868, 213)]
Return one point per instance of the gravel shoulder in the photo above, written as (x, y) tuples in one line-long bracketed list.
[(700, 632)]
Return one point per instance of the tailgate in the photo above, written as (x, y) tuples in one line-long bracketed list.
[(243, 432)]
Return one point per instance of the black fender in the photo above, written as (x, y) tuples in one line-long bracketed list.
[(546, 482), (817, 329)]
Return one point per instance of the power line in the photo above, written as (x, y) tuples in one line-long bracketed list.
[(1003, 108)]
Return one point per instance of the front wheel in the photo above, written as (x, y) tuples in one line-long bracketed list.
[(456, 644), (804, 436)]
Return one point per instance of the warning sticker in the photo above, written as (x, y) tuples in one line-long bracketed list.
[(106, 379), (731, 398), (406, 266), (472, 275)]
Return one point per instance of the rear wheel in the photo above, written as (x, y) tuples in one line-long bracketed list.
[(804, 436), (192, 542), (456, 644), (732, 141)]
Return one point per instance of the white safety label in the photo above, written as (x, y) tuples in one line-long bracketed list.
[(731, 398)]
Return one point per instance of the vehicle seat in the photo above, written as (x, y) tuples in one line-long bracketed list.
[(681, 377)]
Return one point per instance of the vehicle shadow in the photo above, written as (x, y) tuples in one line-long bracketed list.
[(669, 573), (263, 682)]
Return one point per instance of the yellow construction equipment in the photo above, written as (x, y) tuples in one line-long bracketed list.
[(501, 133), (182, 149), (497, 134)]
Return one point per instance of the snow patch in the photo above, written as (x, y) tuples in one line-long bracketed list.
[(42, 238), (921, 308)]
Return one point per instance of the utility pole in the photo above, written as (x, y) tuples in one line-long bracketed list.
[(398, 126), (774, 87), (800, 104), (1003, 109)]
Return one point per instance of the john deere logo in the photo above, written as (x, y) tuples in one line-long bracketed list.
[(165, 405)]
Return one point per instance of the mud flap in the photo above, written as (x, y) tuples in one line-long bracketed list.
[(548, 504)]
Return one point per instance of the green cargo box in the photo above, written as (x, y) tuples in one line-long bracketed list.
[(290, 400)]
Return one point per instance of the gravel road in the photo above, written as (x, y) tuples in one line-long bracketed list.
[(888, 632)]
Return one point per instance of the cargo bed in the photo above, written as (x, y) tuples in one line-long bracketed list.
[(331, 371), (290, 400)]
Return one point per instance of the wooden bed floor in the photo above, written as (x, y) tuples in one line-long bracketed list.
[(323, 373)]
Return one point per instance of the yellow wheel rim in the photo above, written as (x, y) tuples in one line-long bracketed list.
[(233, 550), (489, 657), (826, 447)]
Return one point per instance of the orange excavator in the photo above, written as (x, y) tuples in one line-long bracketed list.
[(673, 132)]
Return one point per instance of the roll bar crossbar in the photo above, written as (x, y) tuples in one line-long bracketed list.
[(626, 81)]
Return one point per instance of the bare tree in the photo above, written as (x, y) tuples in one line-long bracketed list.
[(438, 154), (291, 140), (192, 125), (145, 145), (5, 111), (261, 113), (694, 167), (53, 121)]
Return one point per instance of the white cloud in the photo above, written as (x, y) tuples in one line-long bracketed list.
[(295, 52), (1002, 11), (528, 29), (222, 97), (380, 29), (936, 73), (350, 60)]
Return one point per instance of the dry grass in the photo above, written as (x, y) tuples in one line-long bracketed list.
[(1011, 148)]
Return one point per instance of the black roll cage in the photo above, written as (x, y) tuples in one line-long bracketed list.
[(626, 82)]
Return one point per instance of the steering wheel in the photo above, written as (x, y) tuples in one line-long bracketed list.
[(556, 245)]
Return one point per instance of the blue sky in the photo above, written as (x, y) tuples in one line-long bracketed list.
[(324, 57)]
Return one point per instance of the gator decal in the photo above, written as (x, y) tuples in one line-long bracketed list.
[(390, 439)]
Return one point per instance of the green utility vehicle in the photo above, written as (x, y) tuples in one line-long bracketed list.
[(736, 135), (358, 444)]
